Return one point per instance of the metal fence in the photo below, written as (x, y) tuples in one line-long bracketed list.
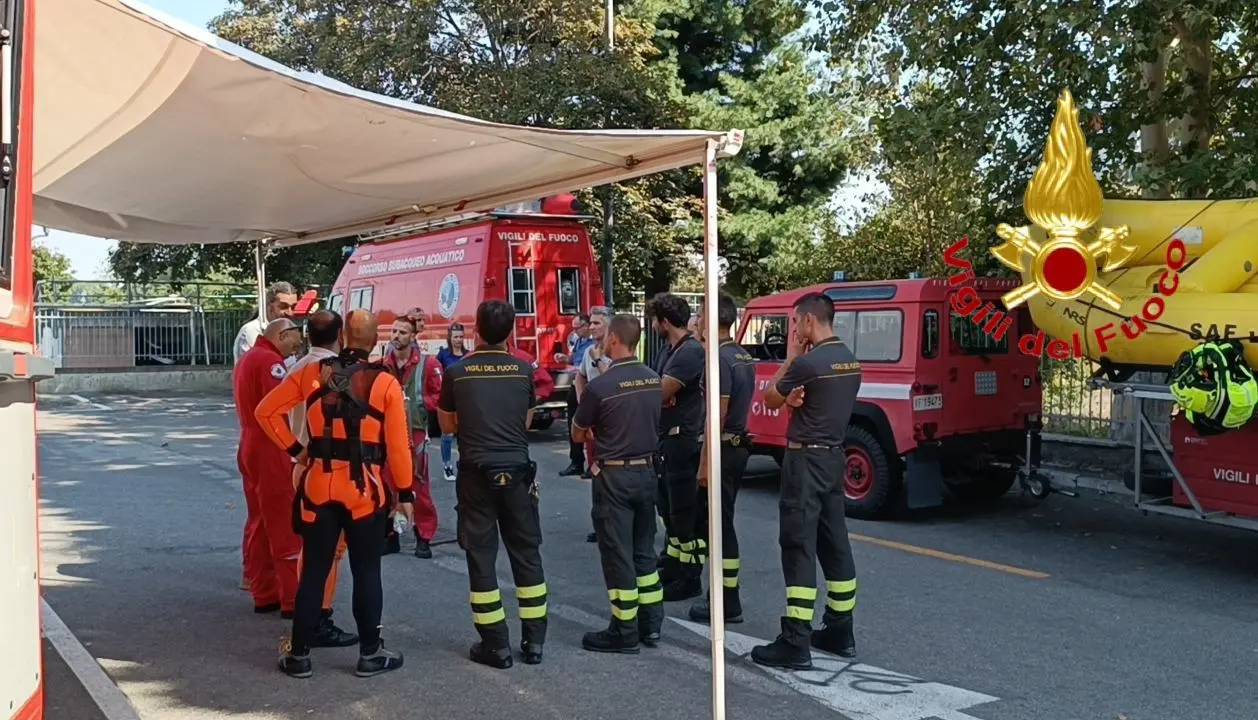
[(1073, 408), (112, 337)]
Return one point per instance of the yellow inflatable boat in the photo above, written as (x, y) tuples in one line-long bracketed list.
[(1160, 275)]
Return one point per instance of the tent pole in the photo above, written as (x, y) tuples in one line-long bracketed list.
[(259, 262), (712, 441)]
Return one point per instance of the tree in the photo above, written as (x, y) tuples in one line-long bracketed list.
[(49, 264), (1178, 75), (742, 65)]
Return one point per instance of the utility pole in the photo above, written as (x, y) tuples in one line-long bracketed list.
[(609, 216)]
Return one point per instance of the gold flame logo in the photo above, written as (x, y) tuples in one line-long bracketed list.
[(1064, 199)]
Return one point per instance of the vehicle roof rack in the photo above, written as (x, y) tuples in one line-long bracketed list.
[(456, 220)]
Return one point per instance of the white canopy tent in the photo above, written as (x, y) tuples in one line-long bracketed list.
[(152, 130)]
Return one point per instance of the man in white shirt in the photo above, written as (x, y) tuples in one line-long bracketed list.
[(324, 333), (281, 300), (593, 362)]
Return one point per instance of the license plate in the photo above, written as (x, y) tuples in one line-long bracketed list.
[(928, 402), (985, 382)]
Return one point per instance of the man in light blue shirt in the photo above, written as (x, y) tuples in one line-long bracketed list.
[(579, 344)]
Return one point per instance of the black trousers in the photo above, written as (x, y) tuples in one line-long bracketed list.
[(624, 521), (483, 512), (813, 528), (733, 465), (364, 540), (576, 450), (679, 500)]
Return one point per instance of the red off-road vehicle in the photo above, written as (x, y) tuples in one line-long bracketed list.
[(941, 403)]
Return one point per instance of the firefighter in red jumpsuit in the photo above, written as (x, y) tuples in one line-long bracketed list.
[(271, 546), (419, 374)]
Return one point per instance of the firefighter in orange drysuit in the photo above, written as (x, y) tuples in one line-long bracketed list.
[(356, 419), (323, 330), (271, 545), (419, 374)]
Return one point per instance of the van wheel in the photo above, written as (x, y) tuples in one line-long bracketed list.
[(985, 486), (869, 484), (542, 423)]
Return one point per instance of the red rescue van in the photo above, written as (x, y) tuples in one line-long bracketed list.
[(540, 262), (941, 403)]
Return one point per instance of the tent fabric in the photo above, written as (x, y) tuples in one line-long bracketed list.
[(150, 129)]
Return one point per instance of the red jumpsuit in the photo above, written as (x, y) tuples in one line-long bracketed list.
[(271, 548), (543, 383), (430, 382)]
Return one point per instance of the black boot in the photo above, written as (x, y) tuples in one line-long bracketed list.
[(650, 622), (499, 658), (670, 568), (571, 470), (688, 584), (619, 637), (329, 635), (393, 544), (836, 636), (295, 664), (382, 660), (423, 550), (531, 652), (701, 611), (266, 609), (790, 650), (591, 538)]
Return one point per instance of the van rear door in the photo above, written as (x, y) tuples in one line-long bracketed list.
[(988, 384)]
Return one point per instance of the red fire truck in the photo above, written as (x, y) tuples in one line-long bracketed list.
[(537, 258), (21, 663), (942, 404)]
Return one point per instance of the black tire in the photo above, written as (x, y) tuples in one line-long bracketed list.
[(883, 479), (541, 423), (987, 486)]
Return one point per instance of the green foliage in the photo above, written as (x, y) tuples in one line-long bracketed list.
[(49, 264), (1166, 90)]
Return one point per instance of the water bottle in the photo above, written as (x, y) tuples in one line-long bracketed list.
[(399, 523)]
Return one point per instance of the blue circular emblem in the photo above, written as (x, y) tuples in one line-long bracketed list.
[(448, 296)]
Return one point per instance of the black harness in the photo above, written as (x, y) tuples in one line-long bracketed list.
[(345, 395)]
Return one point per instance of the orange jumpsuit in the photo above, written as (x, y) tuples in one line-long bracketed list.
[(425, 508), (270, 545), (330, 486)]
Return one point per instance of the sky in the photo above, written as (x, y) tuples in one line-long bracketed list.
[(88, 255)]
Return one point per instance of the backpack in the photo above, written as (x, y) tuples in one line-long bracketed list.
[(345, 394), (1214, 386)]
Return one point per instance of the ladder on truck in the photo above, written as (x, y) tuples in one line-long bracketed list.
[(1139, 393)]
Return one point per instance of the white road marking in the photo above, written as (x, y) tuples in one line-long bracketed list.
[(84, 401), (859, 691), (113, 703)]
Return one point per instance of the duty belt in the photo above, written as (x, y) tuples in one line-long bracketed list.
[(810, 446), (635, 462)]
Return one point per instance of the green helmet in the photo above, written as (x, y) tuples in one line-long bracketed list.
[(1214, 386)]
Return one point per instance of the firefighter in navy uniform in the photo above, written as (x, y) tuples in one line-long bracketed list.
[(818, 382), (737, 383), (620, 408), (487, 400), (680, 368)]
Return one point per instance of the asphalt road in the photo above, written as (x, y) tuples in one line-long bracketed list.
[(1073, 609)]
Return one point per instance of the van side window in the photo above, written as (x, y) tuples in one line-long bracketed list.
[(360, 298), (930, 334), (872, 335), (335, 302), (766, 336), (569, 291), (968, 337), (521, 284)]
